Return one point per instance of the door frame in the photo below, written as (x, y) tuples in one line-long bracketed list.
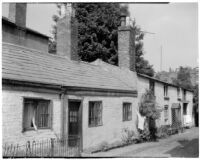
[(80, 122)]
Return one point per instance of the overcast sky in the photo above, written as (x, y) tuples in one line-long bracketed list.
[(175, 26)]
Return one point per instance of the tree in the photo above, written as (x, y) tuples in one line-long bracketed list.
[(97, 34), (196, 104), (149, 108), (183, 78)]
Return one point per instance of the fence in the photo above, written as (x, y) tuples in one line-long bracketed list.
[(45, 148)]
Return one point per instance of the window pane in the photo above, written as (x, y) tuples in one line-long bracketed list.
[(28, 114), (95, 113), (127, 111), (43, 114)]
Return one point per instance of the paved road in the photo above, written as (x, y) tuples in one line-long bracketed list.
[(180, 145)]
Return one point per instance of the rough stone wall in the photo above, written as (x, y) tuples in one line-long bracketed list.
[(12, 112)]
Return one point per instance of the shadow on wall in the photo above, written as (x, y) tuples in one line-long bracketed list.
[(189, 148)]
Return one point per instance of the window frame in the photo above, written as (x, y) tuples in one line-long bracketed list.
[(166, 111), (124, 114), (152, 86), (50, 118), (95, 124)]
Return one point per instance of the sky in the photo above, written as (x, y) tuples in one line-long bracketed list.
[(175, 26)]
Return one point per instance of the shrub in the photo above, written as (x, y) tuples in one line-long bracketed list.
[(149, 108), (163, 131), (128, 136)]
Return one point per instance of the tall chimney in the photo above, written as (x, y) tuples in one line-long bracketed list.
[(17, 13), (67, 34), (126, 44)]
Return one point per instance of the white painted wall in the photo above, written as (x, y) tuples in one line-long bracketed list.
[(12, 112)]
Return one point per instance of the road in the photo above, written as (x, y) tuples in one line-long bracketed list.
[(180, 145)]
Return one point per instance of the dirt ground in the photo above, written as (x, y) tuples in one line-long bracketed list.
[(180, 145)]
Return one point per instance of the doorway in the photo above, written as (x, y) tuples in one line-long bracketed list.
[(74, 122), (176, 117)]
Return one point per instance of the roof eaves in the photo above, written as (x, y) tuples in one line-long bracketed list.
[(142, 75)]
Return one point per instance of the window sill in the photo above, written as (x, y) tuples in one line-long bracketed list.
[(127, 120), (32, 129)]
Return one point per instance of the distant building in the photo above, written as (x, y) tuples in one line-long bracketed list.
[(49, 96)]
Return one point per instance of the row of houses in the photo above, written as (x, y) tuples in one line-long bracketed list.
[(50, 96)]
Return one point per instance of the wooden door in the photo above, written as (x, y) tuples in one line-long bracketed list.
[(74, 122)]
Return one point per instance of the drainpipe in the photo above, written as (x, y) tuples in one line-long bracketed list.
[(64, 109)]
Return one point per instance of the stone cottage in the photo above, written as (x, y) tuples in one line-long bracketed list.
[(49, 96)]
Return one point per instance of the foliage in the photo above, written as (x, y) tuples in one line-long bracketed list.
[(148, 106), (128, 136), (98, 34), (196, 99), (183, 78), (162, 131), (144, 135)]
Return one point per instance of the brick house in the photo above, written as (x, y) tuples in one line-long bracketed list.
[(48, 96)]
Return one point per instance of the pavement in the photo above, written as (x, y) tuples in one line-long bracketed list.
[(184, 144)]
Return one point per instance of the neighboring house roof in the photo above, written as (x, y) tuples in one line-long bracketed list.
[(8, 21), (28, 65), (159, 81)]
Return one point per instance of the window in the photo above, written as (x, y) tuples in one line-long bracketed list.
[(166, 112), (37, 114), (152, 86), (184, 94), (184, 108), (165, 91), (178, 92), (127, 112), (95, 113)]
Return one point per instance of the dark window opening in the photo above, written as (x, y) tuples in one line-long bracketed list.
[(95, 113), (127, 112), (178, 92), (165, 91), (184, 108), (152, 86)]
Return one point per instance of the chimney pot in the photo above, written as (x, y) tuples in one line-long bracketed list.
[(17, 13), (126, 44)]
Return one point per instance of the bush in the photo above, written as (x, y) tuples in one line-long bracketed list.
[(149, 108), (128, 136), (162, 132)]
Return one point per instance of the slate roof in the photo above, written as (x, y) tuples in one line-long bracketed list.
[(24, 64)]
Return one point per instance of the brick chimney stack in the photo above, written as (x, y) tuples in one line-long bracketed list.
[(126, 44), (17, 13), (67, 34)]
